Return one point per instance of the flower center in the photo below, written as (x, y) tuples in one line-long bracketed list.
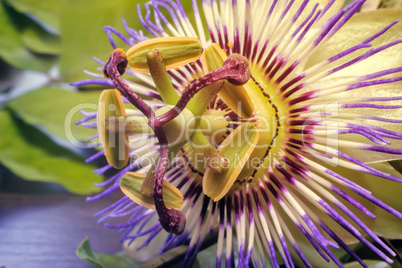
[(269, 113), (235, 69), (232, 154)]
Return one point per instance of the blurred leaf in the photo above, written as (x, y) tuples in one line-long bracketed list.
[(8, 75), (83, 37), (37, 39), (370, 264), (33, 156), (391, 4), (12, 48), (343, 256), (205, 258), (120, 260), (57, 112), (397, 164), (168, 258), (397, 260), (348, 2), (172, 258), (47, 11)]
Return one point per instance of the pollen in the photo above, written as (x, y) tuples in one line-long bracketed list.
[(121, 52)]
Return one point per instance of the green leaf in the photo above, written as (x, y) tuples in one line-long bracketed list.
[(58, 111), (207, 257), (38, 40), (120, 260), (168, 258), (348, 2), (83, 38), (397, 164), (33, 156), (342, 255), (391, 4), (397, 262), (359, 28), (47, 11), (370, 264), (12, 49)]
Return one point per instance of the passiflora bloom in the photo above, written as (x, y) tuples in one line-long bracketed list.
[(256, 128)]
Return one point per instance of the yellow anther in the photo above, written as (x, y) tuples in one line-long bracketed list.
[(237, 148), (114, 144), (131, 184), (176, 51)]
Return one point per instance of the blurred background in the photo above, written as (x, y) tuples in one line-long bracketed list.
[(44, 180)]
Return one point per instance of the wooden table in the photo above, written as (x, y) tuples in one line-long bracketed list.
[(44, 230)]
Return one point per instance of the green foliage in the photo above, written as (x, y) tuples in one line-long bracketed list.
[(12, 44), (391, 4), (47, 11), (120, 260), (38, 40), (370, 264), (397, 164), (172, 258), (81, 30), (57, 110), (33, 156)]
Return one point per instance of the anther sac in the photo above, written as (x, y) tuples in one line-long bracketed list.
[(264, 141)]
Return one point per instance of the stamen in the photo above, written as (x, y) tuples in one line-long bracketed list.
[(238, 145), (131, 184), (148, 184), (176, 51), (115, 145), (127, 124)]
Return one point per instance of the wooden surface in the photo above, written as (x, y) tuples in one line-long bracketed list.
[(44, 230)]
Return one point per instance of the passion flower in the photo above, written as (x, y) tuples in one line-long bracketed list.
[(277, 144)]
